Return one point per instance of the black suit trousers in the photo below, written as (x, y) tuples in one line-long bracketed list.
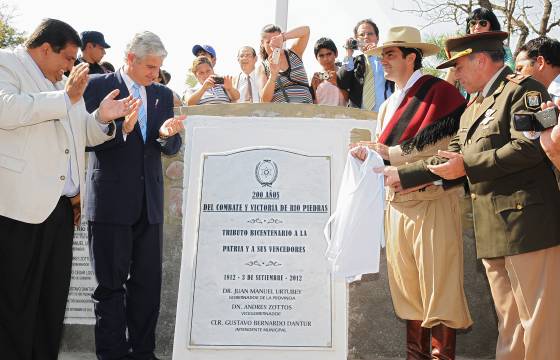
[(127, 264), (35, 267)]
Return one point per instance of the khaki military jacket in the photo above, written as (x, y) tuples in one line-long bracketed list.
[(515, 197)]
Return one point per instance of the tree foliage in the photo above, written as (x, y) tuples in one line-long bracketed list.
[(9, 36), (520, 17)]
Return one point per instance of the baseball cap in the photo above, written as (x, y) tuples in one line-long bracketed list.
[(209, 49), (94, 37)]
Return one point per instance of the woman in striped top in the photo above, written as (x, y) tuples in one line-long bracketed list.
[(208, 90), (285, 81)]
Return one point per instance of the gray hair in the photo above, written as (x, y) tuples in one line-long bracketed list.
[(146, 43)]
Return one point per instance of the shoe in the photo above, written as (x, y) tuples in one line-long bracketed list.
[(443, 342), (417, 341)]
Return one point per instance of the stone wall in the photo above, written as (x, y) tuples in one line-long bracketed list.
[(374, 331)]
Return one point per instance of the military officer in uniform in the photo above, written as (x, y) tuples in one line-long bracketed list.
[(514, 193)]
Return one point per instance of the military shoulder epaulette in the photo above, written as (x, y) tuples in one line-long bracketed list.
[(517, 78)]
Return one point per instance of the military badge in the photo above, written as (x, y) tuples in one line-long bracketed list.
[(533, 100), (532, 135)]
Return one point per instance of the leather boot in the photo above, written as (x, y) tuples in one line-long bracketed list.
[(417, 341), (443, 342)]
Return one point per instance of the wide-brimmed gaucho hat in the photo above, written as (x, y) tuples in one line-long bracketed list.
[(408, 37)]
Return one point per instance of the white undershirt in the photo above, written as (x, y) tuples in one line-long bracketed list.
[(395, 100)]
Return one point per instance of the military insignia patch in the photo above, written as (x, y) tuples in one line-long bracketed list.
[(533, 100), (532, 135)]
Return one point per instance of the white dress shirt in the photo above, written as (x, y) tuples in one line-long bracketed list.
[(129, 83), (395, 100), (242, 86), (357, 225), (554, 88)]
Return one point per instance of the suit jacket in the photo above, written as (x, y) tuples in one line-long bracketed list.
[(514, 192), (126, 175), (38, 134), (353, 81)]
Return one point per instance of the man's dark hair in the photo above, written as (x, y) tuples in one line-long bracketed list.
[(484, 14), (495, 55), (325, 43), (165, 76), (55, 32), (249, 48), (268, 29), (107, 66), (543, 46), (418, 60), (366, 21)]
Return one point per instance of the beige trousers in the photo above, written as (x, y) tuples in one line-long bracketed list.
[(526, 293), (425, 261)]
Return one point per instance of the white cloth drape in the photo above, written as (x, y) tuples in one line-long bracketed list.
[(357, 225)]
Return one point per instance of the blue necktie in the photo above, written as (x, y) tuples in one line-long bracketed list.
[(141, 110)]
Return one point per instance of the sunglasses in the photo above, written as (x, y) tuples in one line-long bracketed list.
[(482, 23)]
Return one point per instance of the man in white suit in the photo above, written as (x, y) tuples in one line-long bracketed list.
[(44, 129)]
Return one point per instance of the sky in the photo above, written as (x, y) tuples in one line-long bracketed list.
[(226, 25)]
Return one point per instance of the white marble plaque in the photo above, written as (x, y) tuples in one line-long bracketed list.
[(261, 276), (79, 306)]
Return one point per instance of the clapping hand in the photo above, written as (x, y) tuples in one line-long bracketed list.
[(131, 119), (111, 109), (172, 126), (77, 82)]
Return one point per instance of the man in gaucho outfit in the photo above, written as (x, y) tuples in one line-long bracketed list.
[(423, 224)]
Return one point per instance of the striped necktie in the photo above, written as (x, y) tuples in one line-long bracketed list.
[(141, 111), (368, 97), (249, 92)]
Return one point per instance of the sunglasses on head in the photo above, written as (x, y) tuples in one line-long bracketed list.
[(482, 23)]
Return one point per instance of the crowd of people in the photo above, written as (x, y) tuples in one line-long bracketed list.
[(480, 130)]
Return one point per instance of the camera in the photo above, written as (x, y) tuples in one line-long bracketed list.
[(539, 121), (275, 56), (218, 79), (354, 44), (324, 76)]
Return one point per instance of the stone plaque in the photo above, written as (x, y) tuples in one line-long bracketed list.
[(255, 282), (261, 277), (79, 306)]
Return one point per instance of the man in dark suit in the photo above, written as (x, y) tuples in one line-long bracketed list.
[(125, 204)]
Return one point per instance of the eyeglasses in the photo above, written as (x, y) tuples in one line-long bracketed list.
[(364, 34), (482, 23)]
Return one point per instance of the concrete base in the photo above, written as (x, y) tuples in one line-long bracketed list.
[(89, 356)]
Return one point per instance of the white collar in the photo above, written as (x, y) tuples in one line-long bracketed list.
[(127, 80), (411, 81), (554, 87)]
